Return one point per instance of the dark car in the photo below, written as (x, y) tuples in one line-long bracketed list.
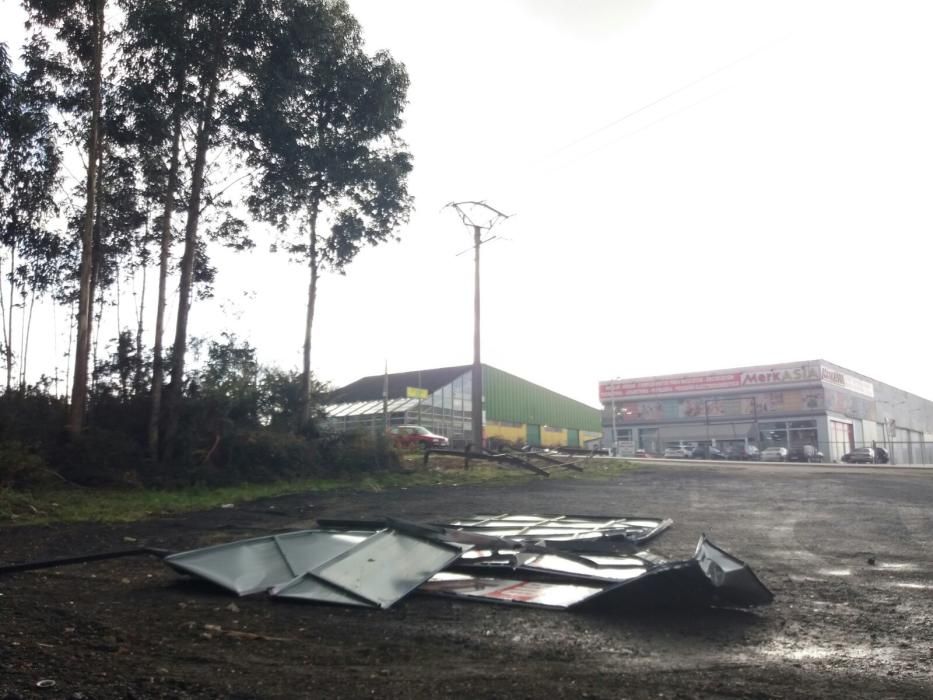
[(881, 456), (743, 453), (707, 453), (804, 453), (860, 455), (416, 436)]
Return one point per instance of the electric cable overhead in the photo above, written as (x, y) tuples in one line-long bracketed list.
[(667, 96)]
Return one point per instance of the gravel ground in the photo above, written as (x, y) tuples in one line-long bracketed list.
[(847, 552)]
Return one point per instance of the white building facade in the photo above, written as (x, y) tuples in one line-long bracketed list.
[(788, 405)]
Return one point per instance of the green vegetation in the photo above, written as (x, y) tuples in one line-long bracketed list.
[(202, 125), (69, 505)]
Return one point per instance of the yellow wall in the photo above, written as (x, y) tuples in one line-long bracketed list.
[(550, 437), (553, 437), (509, 433)]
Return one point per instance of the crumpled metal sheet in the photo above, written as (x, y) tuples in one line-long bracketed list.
[(261, 563), (373, 569), (376, 572), (563, 562), (711, 577), (569, 530)]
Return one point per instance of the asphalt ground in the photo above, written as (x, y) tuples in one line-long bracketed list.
[(848, 552)]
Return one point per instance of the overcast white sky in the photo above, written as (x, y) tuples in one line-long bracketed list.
[(775, 208)]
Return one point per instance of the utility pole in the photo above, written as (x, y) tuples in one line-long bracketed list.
[(615, 433), (479, 216), (385, 397)]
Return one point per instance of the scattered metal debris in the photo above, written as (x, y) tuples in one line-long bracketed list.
[(564, 528), (551, 561), (83, 559), (254, 565), (567, 562), (711, 577), (376, 573), (372, 569)]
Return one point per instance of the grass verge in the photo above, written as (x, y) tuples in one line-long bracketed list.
[(71, 505)]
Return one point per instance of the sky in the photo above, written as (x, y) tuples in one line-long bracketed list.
[(692, 186)]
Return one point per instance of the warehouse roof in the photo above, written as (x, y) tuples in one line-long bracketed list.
[(370, 388)]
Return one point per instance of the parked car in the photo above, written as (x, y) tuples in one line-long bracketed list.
[(745, 453), (707, 453), (804, 453), (881, 456), (677, 452), (641, 453), (774, 454), (860, 455), (416, 436)]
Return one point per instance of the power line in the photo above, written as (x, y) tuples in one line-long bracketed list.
[(650, 124), (667, 96)]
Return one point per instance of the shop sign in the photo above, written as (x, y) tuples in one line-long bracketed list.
[(667, 385), (847, 381), (658, 386), (804, 373)]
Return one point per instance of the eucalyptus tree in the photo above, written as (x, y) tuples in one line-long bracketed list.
[(80, 26), (226, 39), (159, 54), (319, 121), (29, 166)]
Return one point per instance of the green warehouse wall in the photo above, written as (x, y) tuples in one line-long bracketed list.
[(510, 398)]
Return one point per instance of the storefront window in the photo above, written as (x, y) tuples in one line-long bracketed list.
[(803, 432), (648, 441)]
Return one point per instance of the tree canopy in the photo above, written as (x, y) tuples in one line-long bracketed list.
[(166, 105)]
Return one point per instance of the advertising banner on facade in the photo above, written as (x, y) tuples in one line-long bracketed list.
[(847, 381), (759, 404), (751, 377)]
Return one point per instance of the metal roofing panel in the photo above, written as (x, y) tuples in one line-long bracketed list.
[(540, 594), (554, 528), (253, 565), (381, 570)]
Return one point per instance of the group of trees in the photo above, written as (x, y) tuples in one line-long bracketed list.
[(171, 105)]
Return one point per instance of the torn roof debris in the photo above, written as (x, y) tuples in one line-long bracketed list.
[(538, 560), (553, 528)]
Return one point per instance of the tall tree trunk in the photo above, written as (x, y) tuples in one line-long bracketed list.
[(26, 334), (9, 333), (97, 266), (313, 264), (165, 245), (71, 332), (6, 342), (25, 327), (79, 389), (202, 143), (138, 373)]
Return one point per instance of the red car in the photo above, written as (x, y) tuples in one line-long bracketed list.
[(416, 436)]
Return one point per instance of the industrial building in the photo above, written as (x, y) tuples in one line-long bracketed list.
[(515, 411), (789, 405)]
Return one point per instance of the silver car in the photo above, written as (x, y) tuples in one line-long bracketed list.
[(774, 454), (677, 452)]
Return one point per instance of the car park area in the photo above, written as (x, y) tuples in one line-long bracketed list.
[(846, 550)]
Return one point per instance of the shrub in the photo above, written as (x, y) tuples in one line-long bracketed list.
[(255, 456), (352, 453), (99, 458), (20, 467)]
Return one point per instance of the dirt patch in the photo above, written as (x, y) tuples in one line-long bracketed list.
[(840, 626)]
